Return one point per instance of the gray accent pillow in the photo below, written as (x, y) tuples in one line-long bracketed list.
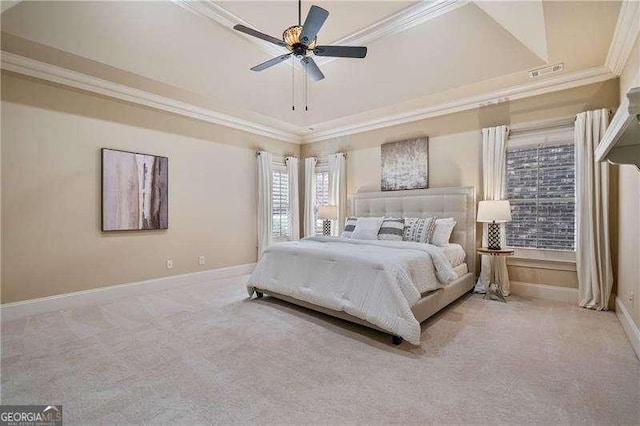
[(349, 226), (392, 229), (418, 230)]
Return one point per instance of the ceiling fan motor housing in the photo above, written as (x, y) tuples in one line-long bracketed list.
[(299, 50)]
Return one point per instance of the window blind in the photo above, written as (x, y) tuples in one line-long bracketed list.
[(322, 195), (280, 204)]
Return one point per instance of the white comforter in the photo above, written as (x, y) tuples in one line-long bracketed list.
[(377, 281)]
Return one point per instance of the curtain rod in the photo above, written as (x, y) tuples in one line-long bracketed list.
[(276, 155), (324, 157)]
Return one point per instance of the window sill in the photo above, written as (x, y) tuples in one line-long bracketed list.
[(543, 259)]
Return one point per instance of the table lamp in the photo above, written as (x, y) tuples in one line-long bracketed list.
[(327, 214), (494, 213)]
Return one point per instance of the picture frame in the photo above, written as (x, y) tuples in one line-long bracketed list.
[(135, 191), (405, 164)]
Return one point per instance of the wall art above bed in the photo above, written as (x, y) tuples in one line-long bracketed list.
[(134, 191), (405, 164)]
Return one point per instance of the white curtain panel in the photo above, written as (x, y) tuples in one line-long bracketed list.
[(593, 256), (309, 219), (294, 204), (494, 180), (338, 189), (264, 200)]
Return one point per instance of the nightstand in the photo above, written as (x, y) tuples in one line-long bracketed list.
[(494, 292)]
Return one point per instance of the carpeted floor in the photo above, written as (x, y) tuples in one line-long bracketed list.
[(207, 354)]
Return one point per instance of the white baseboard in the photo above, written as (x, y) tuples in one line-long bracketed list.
[(24, 308), (546, 292), (629, 326)]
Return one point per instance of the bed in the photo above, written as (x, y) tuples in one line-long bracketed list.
[(387, 286)]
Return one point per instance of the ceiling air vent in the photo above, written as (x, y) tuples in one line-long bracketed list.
[(546, 70)]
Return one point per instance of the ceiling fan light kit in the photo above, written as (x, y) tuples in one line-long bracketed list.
[(291, 36), (302, 39)]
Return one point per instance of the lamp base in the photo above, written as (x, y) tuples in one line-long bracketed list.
[(326, 228), (493, 240)]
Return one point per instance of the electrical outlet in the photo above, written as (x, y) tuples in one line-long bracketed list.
[(169, 264), (201, 260), (630, 296)]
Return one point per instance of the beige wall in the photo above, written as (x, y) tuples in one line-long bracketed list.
[(455, 149), (51, 235), (453, 161), (628, 209), (51, 140)]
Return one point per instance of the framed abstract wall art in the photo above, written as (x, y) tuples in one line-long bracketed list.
[(134, 191), (405, 164)]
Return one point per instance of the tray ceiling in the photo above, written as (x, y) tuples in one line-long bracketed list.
[(417, 50)]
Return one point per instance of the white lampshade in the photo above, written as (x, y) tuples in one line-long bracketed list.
[(328, 212), (498, 211)]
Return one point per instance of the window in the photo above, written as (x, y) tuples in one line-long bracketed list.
[(541, 190), (322, 195), (280, 205)]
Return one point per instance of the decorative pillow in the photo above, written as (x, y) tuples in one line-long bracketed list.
[(442, 231), (418, 230), (367, 228), (391, 229), (349, 226)]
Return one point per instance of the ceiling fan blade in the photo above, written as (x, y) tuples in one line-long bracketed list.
[(271, 62), (312, 69), (260, 35), (313, 23), (341, 51)]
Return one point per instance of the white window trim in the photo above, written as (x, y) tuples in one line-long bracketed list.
[(543, 138), (530, 256), (321, 168), (530, 135), (548, 132)]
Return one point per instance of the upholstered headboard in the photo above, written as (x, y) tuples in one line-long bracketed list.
[(459, 203)]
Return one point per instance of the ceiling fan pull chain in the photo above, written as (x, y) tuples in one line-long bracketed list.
[(306, 89), (293, 84), (300, 40)]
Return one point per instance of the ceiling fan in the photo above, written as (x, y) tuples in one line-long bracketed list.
[(301, 39)]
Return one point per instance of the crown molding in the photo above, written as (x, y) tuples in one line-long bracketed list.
[(403, 20), (8, 4), (553, 84), (209, 9), (213, 11), (44, 71), (59, 75), (624, 37)]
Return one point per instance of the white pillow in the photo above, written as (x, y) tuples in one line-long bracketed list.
[(442, 232), (367, 228)]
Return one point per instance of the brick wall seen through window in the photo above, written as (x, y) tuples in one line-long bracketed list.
[(541, 190)]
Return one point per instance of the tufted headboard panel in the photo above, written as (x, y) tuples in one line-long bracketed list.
[(459, 203)]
